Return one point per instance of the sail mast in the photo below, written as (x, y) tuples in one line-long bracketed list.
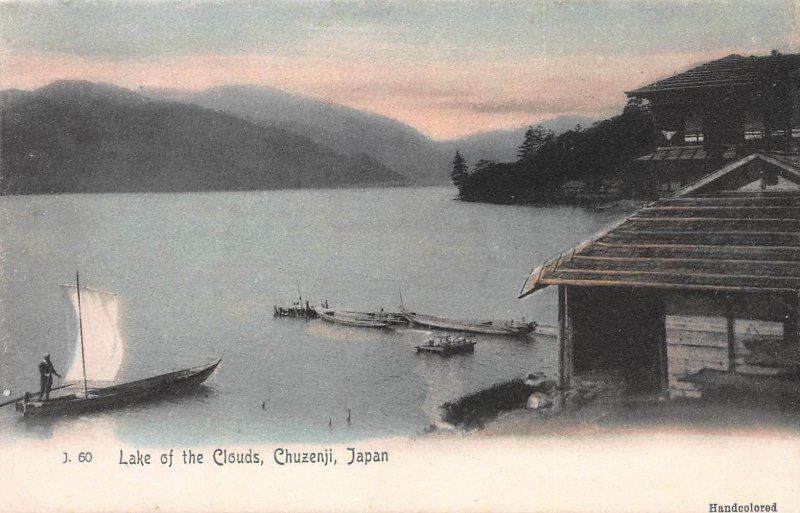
[(299, 294), (80, 329)]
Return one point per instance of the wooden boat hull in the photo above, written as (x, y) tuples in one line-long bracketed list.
[(331, 316), (391, 318), (485, 328), (119, 395)]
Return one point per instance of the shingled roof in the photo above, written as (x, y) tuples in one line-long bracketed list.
[(733, 71), (703, 237)]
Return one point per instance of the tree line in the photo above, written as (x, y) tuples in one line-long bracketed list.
[(546, 161)]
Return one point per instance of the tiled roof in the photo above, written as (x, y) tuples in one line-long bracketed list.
[(731, 71), (699, 238)]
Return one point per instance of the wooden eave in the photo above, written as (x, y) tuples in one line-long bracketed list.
[(730, 201), (658, 278), (629, 282), (701, 252), (738, 224), (704, 238), (719, 212), (732, 267), (720, 240)]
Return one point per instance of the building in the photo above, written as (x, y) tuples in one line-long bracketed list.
[(572, 189), (714, 114), (702, 285)]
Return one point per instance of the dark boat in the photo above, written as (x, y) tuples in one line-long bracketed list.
[(117, 395), (351, 319), (295, 312), (502, 328), (447, 346)]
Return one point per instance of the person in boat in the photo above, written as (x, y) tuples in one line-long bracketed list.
[(46, 371)]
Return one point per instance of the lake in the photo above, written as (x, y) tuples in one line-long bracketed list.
[(197, 276)]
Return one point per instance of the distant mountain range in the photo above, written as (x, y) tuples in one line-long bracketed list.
[(343, 129), (83, 137), (74, 136)]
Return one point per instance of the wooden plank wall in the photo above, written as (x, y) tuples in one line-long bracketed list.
[(698, 342)]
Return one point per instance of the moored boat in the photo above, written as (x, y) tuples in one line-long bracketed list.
[(447, 346), (390, 317), (296, 311), (348, 319), (502, 328)]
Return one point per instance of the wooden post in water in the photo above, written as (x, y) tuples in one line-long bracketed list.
[(562, 335), (299, 295), (569, 336), (80, 330)]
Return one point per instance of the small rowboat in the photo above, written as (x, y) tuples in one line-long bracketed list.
[(503, 328), (447, 346), (348, 319), (116, 395)]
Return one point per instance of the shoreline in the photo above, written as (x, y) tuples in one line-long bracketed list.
[(696, 416)]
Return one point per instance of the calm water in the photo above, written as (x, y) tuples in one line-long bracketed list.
[(198, 274)]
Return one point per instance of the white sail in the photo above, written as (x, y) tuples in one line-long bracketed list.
[(103, 346)]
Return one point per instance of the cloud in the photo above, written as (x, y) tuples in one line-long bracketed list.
[(422, 30), (512, 106)]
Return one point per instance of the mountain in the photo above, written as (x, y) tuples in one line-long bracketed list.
[(84, 137), (502, 145), (343, 129)]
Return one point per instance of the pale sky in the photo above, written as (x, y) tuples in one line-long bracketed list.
[(447, 68)]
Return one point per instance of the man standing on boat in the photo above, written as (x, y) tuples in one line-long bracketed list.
[(46, 371)]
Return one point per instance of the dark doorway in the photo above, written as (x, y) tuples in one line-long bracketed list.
[(619, 329)]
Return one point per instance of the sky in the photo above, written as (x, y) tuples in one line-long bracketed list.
[(447, 68)]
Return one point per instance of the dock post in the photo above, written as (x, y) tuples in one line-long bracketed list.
[(564, 347)]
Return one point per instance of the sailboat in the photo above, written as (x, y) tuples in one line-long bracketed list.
[(98, 357)]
